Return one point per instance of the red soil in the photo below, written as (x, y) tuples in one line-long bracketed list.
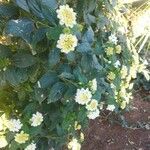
[(102, 135)]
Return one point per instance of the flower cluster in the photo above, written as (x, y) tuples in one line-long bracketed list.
[(123, 73), (15, 125), (36, 119), (67, 42), (32, 146), (113, 50), (113, 39), (21, 137), (66, 15), (84, 97), (3, 123), (74, 144), (3, 141), (111, 76)]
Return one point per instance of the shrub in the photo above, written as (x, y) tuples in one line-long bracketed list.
[(62, 63)]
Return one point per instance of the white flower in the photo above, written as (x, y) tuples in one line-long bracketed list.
[(145, 62), (109, 52), (83, 96), (124, 72), (66, 16), (21, 137), (131, 86), (117, 64), (112, 86), (101, 105), (92, 105), (93, 114), (113, 39), (32, 146), (110, 107), (36, 119), (123, 105), (133, 71), (93, 85), (111, 76), (67, 43), (14, 125), (3, 122), (74, 144), (128, 97), (1, 125), (3, 141)]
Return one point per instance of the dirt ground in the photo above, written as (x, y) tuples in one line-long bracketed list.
[(102, 135)]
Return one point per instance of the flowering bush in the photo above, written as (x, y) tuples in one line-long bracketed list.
[(61, 64)]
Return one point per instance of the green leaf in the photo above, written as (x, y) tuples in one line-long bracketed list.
[(22, 4), (42, 144), (35, 130), (4, 63), (88, 36), (70, 92), (82, 114), (20, 28), (97, 95), (79, 75), (40, 94), (14, 145), (10, 136), (15, 76), (54, 57), (5, 52), (50, 3), (60, 130), (86, 62), (8, 10), (96, 64), (35, 8), (89, 19), (64, 68), (49, 12), (71, 57), (54, 33), (7, 100), (91, 5), (23, 60), (38, 36), (102, 21), (29, 109), (34, 72), (84, 47), (2, 80), (47, 80), (56, 92), (66, 75), (80, 6), (98, 50)]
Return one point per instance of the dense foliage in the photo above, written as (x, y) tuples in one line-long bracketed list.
[(61, 63)]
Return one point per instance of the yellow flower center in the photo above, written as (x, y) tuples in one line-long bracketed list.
[(109, 51), (67, 43), (118, 49), (84, 97), (93, 105), (67, 16)]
